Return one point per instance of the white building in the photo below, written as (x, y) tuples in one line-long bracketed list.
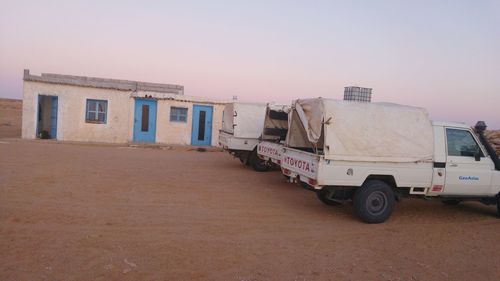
[(76, 108)]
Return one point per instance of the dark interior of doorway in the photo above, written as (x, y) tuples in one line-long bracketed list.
[(47, 117)]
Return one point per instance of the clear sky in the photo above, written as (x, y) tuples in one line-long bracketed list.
[(441, 55)]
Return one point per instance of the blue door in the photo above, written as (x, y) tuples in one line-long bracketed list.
[(202, 125), (145, 120), (53, 118)]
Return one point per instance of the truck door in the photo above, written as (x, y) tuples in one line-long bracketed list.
[(465, 175)]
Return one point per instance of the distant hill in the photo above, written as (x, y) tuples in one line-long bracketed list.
[(10, 118)]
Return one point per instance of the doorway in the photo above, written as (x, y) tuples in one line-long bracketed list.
[(46, 127), (201, 133), (145, 120)]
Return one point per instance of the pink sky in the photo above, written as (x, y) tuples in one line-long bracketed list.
[(444, 57)]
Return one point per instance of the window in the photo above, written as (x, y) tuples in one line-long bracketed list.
[(96, 111), (178, 114), (461, 143), (145, 118)]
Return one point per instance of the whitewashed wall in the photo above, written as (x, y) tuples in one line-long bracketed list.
[(72, 102), (71, 125), (179, 132)]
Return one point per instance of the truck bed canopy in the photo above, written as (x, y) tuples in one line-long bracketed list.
[(244, 120), (361, 131), (276, 122)]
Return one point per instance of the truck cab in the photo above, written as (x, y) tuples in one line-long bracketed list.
[(462, 166)]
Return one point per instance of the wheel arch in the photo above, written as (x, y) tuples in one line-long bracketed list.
[(387, 178)]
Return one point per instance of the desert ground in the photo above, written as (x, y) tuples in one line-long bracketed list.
[(118, 212), (10, 118)]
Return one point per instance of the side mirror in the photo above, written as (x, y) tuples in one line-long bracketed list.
[(477, 156)]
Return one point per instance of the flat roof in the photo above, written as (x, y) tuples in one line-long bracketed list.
[(104, 83)]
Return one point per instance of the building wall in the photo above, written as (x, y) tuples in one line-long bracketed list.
[(179, 132), (119, 128), (72, 102)]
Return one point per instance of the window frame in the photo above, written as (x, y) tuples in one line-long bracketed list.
[(177, 116), (478, 144), (96, 111)]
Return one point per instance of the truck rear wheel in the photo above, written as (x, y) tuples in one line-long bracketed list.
[(326, 196), (374, 201), (258, 164)]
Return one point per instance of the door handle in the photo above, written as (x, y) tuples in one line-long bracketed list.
[(453, 165)]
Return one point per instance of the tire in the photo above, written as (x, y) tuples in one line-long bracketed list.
[(451, 202), (374, 201), (324, 195), (258, 164)]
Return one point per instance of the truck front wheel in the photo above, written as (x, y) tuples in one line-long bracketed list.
[(326, 196), (374, 201)]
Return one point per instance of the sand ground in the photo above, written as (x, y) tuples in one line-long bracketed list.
[(96, 212), (10, 118)]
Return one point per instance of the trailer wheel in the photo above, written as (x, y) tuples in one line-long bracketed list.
[(258, 164), (326, 196), (374, 201), (451, 202)]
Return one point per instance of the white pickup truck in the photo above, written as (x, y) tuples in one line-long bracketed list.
[(270, 147), (376, 153), (242, 125)]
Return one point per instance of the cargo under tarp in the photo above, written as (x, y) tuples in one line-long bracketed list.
[(361, 131), (244, 120), (276, 122)]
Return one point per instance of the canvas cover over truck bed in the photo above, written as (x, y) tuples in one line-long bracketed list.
[(361, 131), (244, 120), (275, 122)]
